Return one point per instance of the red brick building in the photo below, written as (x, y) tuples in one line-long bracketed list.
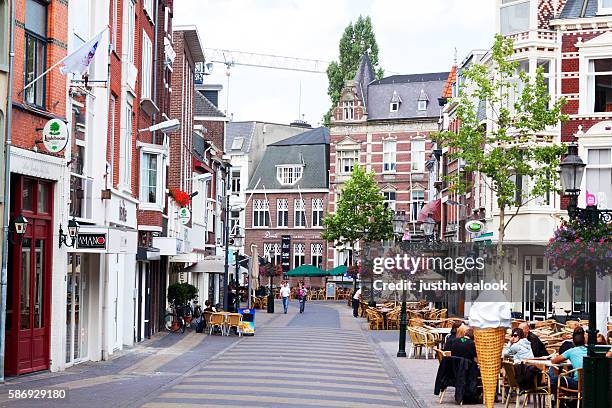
[(288, 200), (384, 125)]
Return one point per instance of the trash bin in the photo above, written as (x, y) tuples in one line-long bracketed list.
[(248, 321), (597, 379)]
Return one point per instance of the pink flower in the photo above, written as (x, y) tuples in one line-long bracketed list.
[(577, 240), (592, 249)]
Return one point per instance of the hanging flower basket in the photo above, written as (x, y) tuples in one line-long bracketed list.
[(577, 247), (182, 198)]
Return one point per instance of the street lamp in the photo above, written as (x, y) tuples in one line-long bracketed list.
[(237, 241), (429, 225), (73, 230), (399, 225), (19, 224), (571, 172)]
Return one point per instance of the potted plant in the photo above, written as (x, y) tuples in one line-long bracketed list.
[(180, 294)]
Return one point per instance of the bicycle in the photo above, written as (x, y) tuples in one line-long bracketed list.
[(174, 320)]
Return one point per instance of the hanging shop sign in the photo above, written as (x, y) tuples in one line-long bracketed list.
[(286, 252), (184, 215), (474, 227), (55, 135), (91, 241)]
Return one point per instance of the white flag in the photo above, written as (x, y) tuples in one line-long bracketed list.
[(79, 60)]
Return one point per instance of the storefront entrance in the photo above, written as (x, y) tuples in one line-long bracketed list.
[(538, 288), (77, 313), (29, 278)]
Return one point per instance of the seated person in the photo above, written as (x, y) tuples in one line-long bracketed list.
[(209, 307), (575, 355), (601, 340), (537, 347), (464, 346), (519, 348), (568, 344), (452, 336)]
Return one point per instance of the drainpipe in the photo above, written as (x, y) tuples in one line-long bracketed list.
[(7, 192), (156, 26)]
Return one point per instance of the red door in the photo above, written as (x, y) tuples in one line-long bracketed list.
[(29, 302)]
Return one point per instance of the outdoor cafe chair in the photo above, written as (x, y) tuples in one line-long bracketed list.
[(233, 320), (216, 320), (566, 393), (393, 319), (417, 341), (375, 319)]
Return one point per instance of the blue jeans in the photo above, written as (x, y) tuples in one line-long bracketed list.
[(286, 303), (568, 382), (302, 304)]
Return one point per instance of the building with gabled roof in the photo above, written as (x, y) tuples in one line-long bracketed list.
[(384, 124)]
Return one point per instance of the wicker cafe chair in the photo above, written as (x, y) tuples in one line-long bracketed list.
[(569, 394), (419, 342), (216, 320), (233, 320), (393, 319), (375, 319)]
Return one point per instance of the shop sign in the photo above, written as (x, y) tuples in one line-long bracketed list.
[(91, 241), (286, 252), (55, 135), (184, 215), (474, 227)]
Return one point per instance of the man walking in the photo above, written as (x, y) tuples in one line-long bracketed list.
[(356, 300), (284, 292), (302, 292)]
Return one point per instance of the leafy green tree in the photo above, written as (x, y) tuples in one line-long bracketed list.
[(361, 215), (357, 39), (505, 147)]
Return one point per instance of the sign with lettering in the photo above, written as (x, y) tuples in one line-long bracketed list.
[(55, 135), (286, 252), (91, 241)]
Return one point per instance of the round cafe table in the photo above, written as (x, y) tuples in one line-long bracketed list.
[(383, 311)]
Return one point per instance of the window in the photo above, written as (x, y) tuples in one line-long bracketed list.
[(4, 28), (545, 65), (348, 110), (261, 213), (346, 160), (418, 155), (299, 207), (234, 223), (514, 16), (316, 255), (599, 85), (317, 212), (237, 143), (389, 150), (282, 212), (605, 7), (236, 181), (151, 178), (111, 119), (288, 175), (125, 157), (131, 31), (394, 106), (390, 198), (147, 5), (417, 202), (299, 255), (35, 51), (272, 252), (422, 105), (147, 65), (80, 184), (598, 176)]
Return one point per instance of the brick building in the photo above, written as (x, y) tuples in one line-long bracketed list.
[(384, 125), (288, 195)]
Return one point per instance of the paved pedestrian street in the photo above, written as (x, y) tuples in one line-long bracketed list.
[(322, 358)]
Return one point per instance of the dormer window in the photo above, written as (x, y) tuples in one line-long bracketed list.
[(348, 110), (288, 175), (422, 101), (605, 7), (395, 102)]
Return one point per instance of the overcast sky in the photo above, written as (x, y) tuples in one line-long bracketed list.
[(413, 36)]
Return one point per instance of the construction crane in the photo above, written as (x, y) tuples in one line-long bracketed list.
[(231, 58)]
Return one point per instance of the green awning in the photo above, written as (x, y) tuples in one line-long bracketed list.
[(306, 271), (313, 271), (337, 271)]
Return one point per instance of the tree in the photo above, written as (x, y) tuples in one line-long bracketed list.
[(361, 214), (356, 40), (518, 109)]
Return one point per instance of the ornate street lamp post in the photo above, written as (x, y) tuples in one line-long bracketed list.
[(399, 225), (429, 226), (571, 172)]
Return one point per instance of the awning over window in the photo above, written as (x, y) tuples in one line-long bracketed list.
[(210, 264), (147, 254), (433, 208)]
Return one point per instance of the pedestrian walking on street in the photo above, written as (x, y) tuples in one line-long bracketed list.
[(285, 290), (356, 300), (302, 292)]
